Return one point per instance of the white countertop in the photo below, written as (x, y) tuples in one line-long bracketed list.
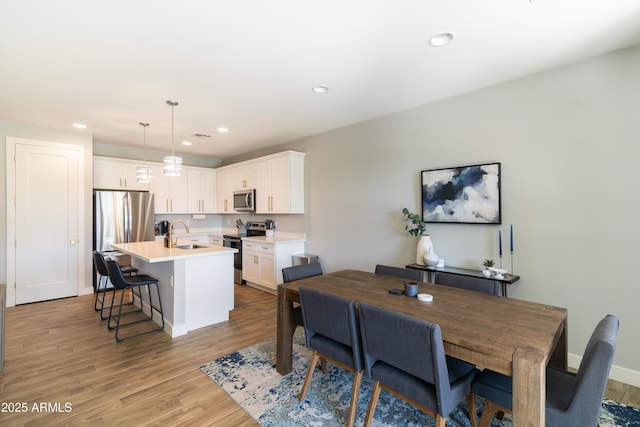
[(156, 252)]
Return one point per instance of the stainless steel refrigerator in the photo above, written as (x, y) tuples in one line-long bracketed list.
[(122, 217)]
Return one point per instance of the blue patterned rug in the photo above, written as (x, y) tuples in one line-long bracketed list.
[(250, 378)]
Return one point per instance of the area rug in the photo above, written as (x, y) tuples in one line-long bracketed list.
[(250, 378)]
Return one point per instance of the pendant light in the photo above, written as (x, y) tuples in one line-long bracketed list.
[(172, 163), (143, 173)]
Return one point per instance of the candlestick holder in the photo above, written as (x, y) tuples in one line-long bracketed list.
[(512, 272)]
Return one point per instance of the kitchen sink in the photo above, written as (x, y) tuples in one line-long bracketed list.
[(190, 246)]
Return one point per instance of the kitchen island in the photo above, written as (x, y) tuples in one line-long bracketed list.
[(196, 285)]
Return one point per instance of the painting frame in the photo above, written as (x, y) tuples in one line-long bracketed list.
[(462, 195)]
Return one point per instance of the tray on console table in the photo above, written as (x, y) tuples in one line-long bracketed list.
[(508, 279)]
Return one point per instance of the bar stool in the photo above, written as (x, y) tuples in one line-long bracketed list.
[(101, 286), (122, 283)]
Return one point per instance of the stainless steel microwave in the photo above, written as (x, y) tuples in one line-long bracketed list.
[(244, 200)]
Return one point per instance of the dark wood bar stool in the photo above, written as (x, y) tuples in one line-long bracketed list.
[(122, 283)]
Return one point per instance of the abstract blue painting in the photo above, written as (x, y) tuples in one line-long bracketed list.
[(466, 194)]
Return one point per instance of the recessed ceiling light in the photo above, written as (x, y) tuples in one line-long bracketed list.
[(441, 39), (186, 142), (320, 89), (79, 126), (223, 130)]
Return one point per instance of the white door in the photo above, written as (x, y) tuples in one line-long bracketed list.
[(46, 223)]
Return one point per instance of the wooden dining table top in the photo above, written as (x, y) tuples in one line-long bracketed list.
[(482, 329)]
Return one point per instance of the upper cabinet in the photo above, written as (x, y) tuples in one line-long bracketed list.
[(201, 183), (170, 192), (225, 186), (116, 174), (245, 177), (278, 180), (280, 184)]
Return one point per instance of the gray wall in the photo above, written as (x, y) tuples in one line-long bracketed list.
[(568, 143)]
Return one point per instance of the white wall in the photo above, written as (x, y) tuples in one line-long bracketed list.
[(568, 140)]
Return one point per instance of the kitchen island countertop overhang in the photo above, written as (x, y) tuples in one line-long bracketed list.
[(196, 285)]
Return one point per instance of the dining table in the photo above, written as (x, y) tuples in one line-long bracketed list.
[(514, 337)]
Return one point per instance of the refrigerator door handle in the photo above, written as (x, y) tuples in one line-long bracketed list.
[(127, 217)]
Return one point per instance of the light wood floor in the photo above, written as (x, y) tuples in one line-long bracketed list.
[(59, 352)]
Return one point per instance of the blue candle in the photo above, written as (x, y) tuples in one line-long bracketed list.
[(500, 241), (511, 236)]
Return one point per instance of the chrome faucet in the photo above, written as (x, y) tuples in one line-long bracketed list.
[(171, 241)]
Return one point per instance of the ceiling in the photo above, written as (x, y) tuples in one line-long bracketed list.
[(250, 65)]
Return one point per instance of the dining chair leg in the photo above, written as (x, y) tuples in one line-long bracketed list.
[(373, 402), (355, 392), (440, 421), (323, 366), (310, 369), (489, 410), (473, 412)]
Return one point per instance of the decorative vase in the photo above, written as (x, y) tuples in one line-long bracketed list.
[(426, 252), (431, 259)]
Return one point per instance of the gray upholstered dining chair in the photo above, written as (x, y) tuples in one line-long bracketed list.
[(331, 329), (405, 356), (302, 271), (404, 273), (478, 284), (573, 399), (298, 272)]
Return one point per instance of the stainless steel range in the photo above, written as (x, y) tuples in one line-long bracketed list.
[(235, 241)]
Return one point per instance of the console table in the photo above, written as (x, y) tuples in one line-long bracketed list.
[(507, 280)]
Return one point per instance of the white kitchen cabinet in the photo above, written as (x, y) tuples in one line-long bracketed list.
[(246, 176), (170, 192), (216, 240), (258, 264), (225, 186), (201, 183), (117, 174), (280, 184), (262, 263), (201, 238)]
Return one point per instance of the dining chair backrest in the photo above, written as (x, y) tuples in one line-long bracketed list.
[(477, 284), (414, 346), (331, 326), (593, 373), (302, 271), (404, 273)]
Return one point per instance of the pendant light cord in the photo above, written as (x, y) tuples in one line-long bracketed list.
[(172, 104), (144, 137)]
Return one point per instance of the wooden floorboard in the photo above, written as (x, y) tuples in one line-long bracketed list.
[(60, 352)]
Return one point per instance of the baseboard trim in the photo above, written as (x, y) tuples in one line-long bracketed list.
[(618, 373)]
